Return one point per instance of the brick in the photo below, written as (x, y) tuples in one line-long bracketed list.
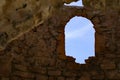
[(70, 78), (69, 73), (20, 67), (108, 65), (113, 75), (41, 77), (5, 78), (84, 78), (60, 78), (23, 74), (54, 73)]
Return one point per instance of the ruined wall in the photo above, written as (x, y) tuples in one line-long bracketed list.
[(32, 40)]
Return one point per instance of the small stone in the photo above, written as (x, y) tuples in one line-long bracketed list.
[(23, 74), (85, 78), (70, 78), (20, 67), (41, 77), (5, 78), (108, 65), (113, 75), (54, 73), (60, 78), (69, 73)]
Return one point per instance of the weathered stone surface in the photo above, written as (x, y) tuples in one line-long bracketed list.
[(60, 78), (107, 64), (5, 78), (23, 74), (113, 74), (18, 17), (41, 77), (32, 40), (54, 73), (85, 78)]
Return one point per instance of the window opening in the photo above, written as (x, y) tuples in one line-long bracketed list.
[(78, 3), (79, 39)]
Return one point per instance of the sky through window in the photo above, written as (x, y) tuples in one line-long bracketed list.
[(79, 37)]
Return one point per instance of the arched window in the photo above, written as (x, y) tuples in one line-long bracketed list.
[(79, 39)]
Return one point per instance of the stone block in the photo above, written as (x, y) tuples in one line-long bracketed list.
[(107, 65), (23, 74), (54, 73), (60, 78), (41, 77), (4, 78)]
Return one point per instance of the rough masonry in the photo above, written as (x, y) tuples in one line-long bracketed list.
[(32, 41)]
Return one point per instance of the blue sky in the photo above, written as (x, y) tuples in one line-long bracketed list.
[(78, 3), (79, 37)]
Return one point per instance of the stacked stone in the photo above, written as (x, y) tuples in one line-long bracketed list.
[(39, 53)]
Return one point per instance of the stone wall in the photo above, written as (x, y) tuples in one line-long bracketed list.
[(32, 45)]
